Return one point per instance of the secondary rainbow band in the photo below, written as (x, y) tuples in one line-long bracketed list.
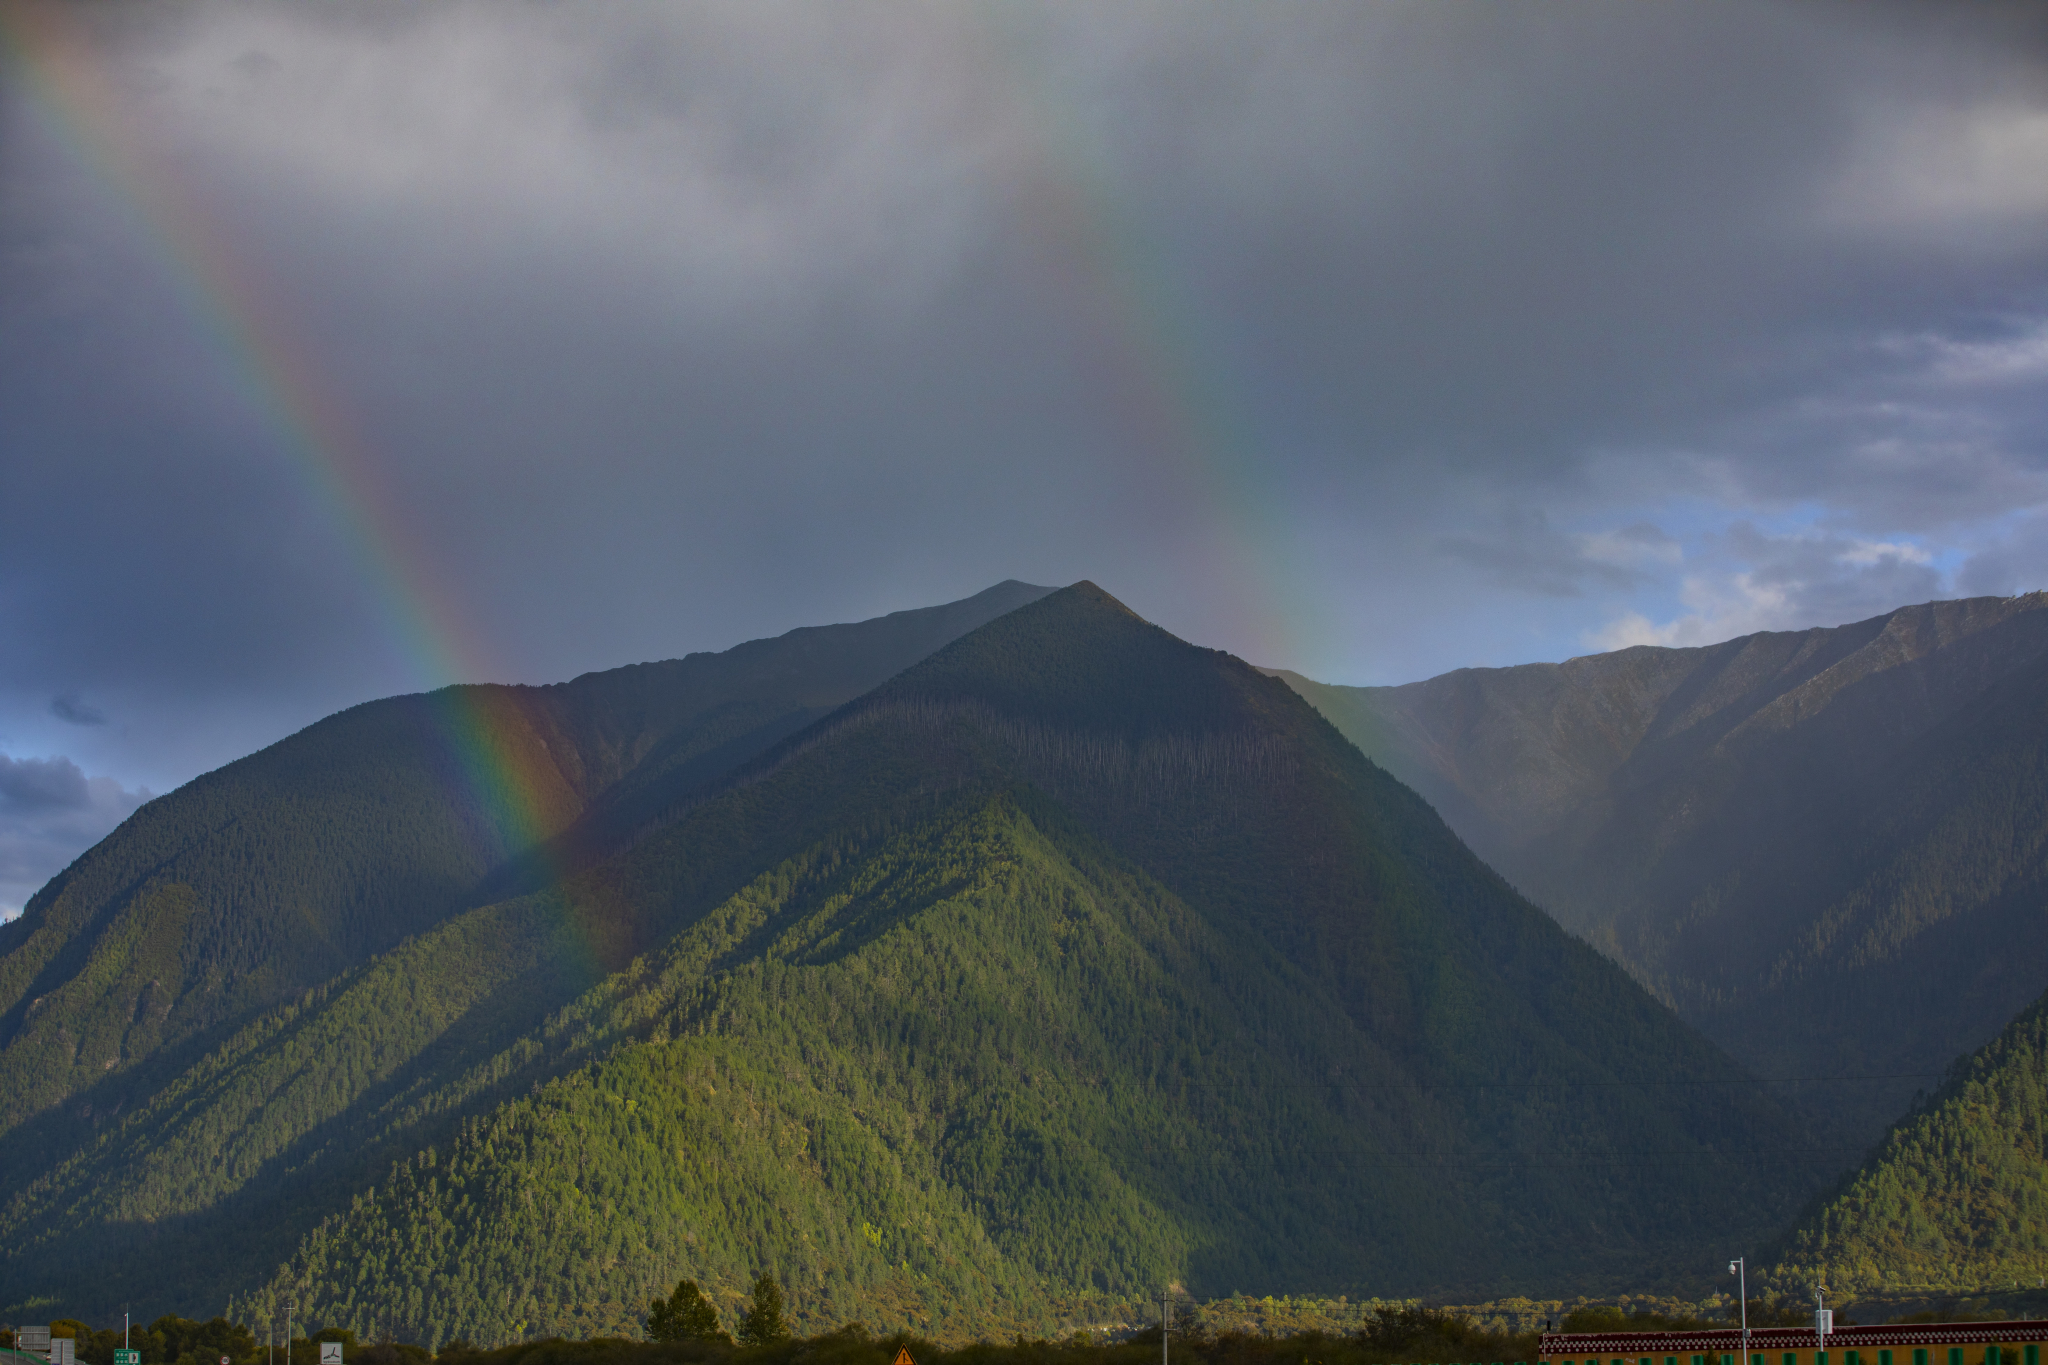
[(276, 372), (1157, 359), (1126, 314)]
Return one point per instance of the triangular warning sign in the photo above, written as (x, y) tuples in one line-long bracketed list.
[(903, 1358)]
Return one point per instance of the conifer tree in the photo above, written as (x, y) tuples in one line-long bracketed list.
[(762, 1325), (685, 1315)]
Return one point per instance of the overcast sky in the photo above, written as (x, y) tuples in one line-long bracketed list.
[(352, 349)]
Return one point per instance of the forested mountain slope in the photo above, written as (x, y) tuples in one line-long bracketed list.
[(274, 874), (1955, 1198), (1072, 960), (1773, 832)]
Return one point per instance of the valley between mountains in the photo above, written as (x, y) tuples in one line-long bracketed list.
[(974, 965)]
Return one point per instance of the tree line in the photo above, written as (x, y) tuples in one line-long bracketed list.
[(685, 1329)]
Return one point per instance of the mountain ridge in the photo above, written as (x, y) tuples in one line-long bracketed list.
[(1721, 820), (1072, 958), (361, 830)]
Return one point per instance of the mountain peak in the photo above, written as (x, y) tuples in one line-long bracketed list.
[(970, 941), (1087, 591), (1080, 658)]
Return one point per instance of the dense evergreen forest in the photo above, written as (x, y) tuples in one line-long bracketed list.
[(1955, 1198), (1070, 961), (284, 871)]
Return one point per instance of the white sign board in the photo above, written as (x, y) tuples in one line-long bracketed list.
[(330, 1353), (61, 1349), (35, 1339)]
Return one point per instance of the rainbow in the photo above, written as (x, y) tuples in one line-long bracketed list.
[(1153, 356), (278, 373), (1137, 332)]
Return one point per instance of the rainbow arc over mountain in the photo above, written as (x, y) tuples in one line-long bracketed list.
[(490, 732), (1124, 312)]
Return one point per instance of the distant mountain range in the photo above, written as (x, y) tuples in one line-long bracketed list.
[(965, 968), (1828, 849)]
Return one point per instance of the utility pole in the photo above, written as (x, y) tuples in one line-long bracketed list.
[(1165, 1300), (1739, 1268)]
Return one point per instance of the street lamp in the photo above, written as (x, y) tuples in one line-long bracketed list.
[(1739, 1268)]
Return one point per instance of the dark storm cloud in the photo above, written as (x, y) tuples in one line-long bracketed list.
[(49, 812), (1372, 339), (1523, 553), (36, 785)]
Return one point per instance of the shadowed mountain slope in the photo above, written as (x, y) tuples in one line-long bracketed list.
[(1775, 833), (274, 874), (1072, 960)]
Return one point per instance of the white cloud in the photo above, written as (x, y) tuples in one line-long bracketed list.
[(1721, 609), (1939, 167), (2018, 359), (1865, 554), (1792, 582)]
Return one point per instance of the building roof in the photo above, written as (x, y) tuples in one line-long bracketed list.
[(1620, 1345)]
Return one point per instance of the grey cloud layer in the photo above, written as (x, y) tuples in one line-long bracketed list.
[(33, 786), (49, 812), (1374, 340)]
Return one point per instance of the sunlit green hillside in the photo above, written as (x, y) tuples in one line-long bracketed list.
[(1955, 1198), (1073, 960)]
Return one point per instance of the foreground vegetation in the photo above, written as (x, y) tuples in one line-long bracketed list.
[(1234, 1331), (1385, 1335)]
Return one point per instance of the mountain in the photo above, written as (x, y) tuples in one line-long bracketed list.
[(1775, 833), (1072, 960), (1955, 1197), (271, 876)]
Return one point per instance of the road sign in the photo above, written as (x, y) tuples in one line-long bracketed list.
[(330, 1353), (903, 1357), (61, 1351), (127, 1358), (35, 1339)]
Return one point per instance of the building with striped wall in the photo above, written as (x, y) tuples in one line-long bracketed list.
[(1926, 1343)]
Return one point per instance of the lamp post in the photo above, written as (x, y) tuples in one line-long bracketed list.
[(1739, 1268)]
